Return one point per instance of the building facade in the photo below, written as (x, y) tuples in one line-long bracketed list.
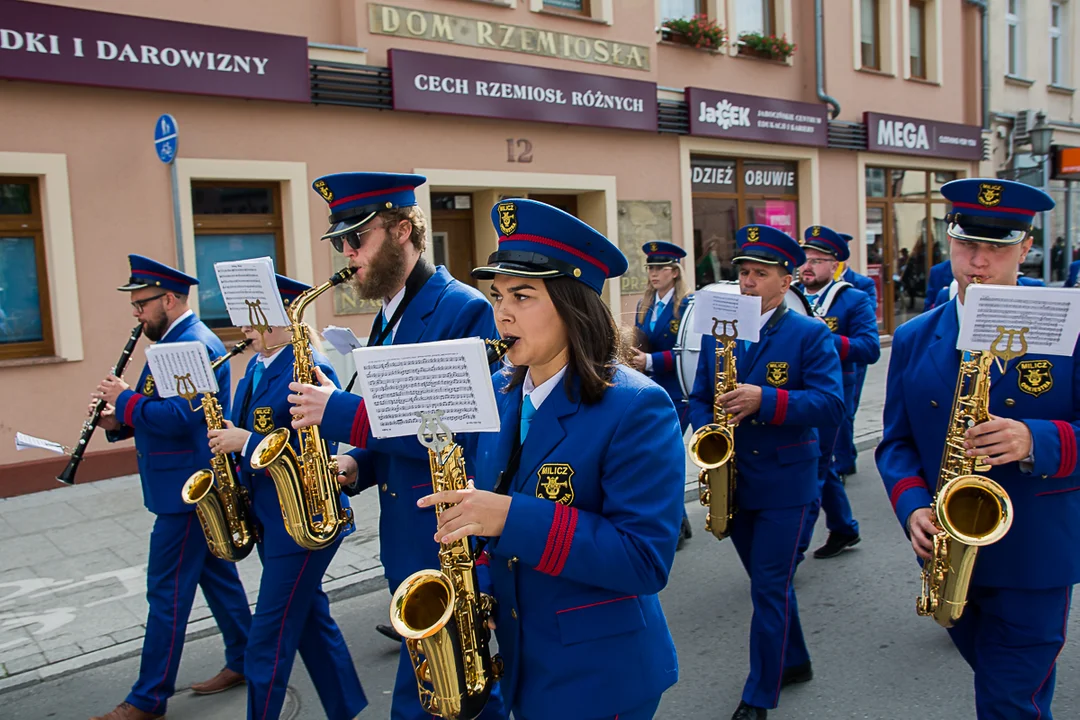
[(615, 112)]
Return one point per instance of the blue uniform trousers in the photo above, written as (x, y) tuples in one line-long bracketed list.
[(833, 498), (845, 453), (767, 542), (1011, 638), (179, 561), (642, 712), (293, 614)]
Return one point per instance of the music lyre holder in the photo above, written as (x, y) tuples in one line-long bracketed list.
[(1006, 335), (433, 434), (185, 388), (724, 336)]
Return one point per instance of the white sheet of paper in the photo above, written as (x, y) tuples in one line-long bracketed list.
[(400, 381), (1051, 316), (711, 305), (29, 442), (249, 289), (182, 366), (344, 340)]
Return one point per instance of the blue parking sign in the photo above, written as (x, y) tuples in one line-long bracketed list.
[(166, 138)]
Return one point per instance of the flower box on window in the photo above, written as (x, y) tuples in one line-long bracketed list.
[(697, 31), (768, 47)]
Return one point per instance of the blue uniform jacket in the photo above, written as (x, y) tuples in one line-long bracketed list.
[(1042, 549), (444, 309), (170, 439), (267, 409), (853, 322), (776, 451), (1074, 270), (588, 544), (661, 341), (940, 276), (864, 283)]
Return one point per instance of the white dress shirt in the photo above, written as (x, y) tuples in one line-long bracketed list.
[(539, 393), (655, 317)]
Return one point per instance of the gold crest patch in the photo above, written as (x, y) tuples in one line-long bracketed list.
[(776, 373), (673, 327), (990, 194), (264, 420), (652, 247), (753, 234), (1034, 376), (832, 322), (324, 190), (815, 231), (148, 385), (508, 222), (554, 483)]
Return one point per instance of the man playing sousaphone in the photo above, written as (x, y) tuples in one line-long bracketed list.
[(1013, 625)]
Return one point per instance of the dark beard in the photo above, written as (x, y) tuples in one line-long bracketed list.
[(155, 329), (385, 273)]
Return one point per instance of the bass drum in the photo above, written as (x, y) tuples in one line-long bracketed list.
[(688, 344)]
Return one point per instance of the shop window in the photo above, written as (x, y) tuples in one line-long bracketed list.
[(730, 193), (917, 38), (233, 221), (25, 319), (870, 34), (681, 9)]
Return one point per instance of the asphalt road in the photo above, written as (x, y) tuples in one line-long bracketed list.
[(873, 657)]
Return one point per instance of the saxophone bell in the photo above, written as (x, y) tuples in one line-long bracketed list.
[(711, 446)]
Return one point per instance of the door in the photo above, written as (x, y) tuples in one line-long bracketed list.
[(566, 203), (452, 243)]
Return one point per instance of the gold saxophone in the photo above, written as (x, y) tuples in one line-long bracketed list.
[(306, 483), (712, 447), (972, 510), (441, 614), (222, 508)]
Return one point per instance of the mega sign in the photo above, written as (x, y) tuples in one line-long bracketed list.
[(913, 136)]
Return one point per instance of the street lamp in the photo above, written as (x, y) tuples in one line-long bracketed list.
[(1042, 135)]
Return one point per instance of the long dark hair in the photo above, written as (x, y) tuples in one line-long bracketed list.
[(595, 347)]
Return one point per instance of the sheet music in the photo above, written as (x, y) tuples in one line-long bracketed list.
[(181, 368), (400, 381), (998, 313), (29, 442), (710, 305), (250, 291), (344, 340)]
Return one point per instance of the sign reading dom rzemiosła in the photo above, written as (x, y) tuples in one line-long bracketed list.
[(439, 27)]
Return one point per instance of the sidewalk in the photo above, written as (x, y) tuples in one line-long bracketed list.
[(73, 567)]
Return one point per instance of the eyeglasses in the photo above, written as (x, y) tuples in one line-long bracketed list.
[(140, 304), (353, 238), (818, 261)]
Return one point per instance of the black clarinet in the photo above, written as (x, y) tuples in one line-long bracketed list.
[(68, 475)]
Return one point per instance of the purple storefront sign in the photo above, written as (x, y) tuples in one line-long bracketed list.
[(50, 43), (913, 136), (715, 113), (423, 82)]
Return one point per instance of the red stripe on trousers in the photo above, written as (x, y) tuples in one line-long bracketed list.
[(281, 633), (176, 601), (1064, 635)]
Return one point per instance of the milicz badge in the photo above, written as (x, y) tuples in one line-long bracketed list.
[(554, 483), (674, 327), (507, 218), (776, 373), (264, 420), (1034, 376), (652, 247), (752, 234), (990, 194), (832, 322), (324, 190), (148, 385), (815, 232)]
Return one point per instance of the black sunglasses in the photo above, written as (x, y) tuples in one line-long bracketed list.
[(352, 237)]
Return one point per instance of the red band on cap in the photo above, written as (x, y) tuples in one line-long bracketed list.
[(997, 208), (751, 246), (557, 245), (373, 193)]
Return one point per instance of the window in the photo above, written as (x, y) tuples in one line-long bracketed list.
[(25, 319), (870, 35), (1058, 57), (1014, 42), (756, 16), (233, 221), (681, 9), (577, 7), (917, 38)]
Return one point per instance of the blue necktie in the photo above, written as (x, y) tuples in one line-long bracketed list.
[(656, 316), (259, 369), (527, 412), (382, 326)]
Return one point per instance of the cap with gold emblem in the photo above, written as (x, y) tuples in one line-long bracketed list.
[(659, 252), (355, 197), (765, 244), (827, 240), (992, 210), (541, 241), (150, 273)]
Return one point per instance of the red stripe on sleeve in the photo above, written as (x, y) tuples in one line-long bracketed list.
[(359, 433), (781, 407), (130, 408), (845, 345), (484, 559), (1068, 449), (669, 361), (547, 559), (903, 486), (568, 540)]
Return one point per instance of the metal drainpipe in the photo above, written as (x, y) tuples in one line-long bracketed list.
[(984, 10), (819, 38)]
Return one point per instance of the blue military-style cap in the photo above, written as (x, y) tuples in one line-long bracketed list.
[(659, 252), (355, 197), (765, 244), (826, 240), (150, 273), (845, 237), (992, 210), (541, 241), (289, 289)]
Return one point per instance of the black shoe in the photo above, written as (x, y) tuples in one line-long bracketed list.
[(797, 674), (389, 632), (836, 544), (749, 712), (685, 533)]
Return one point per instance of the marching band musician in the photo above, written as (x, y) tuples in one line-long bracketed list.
[(580, 493), (293, 612), (850, 316), (1017, 609), (657, 320), (789, 383), (376, 224), (171, 444)]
